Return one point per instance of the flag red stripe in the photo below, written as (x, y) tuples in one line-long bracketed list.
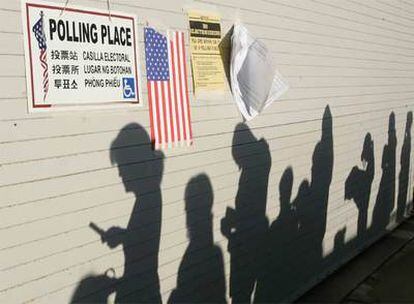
[(157, 112), (150, 111), (163, 104), (180, 85), (172, 73), (168, 110)]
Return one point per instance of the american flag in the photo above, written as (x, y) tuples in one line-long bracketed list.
[(39, 32), (167, 88)]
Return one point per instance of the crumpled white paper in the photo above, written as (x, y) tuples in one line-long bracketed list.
[(255, 83)]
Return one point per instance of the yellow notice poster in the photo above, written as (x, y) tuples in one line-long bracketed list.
[(207, 65)]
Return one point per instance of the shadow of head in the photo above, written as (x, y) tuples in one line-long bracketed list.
[(242, 138), (351, 187), (409, 121), (301, 202), (327, 122), (94, 288), (285, 189), (391, 123), (322, 158), (198, 204), (368, 148), (139, 166), (246, 148), (353, 182)]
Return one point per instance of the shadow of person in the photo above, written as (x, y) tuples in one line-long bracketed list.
[(311, 203), (404, 175), (321, 177), (140, 169), (276, 279), (386, 192), (245, 226), (201, 276), (295, 238), (358, 185)]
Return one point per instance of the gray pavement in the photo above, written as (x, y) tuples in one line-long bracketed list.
[(392, 282), (384, 273)]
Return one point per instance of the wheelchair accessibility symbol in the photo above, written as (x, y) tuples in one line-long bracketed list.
[(128, 87)]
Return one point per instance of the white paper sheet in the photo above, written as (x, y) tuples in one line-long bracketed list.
[(254, 81)]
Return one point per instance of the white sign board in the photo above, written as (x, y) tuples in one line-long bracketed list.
[(78, 57)]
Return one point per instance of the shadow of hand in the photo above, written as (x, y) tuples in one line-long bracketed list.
[(113, 236)]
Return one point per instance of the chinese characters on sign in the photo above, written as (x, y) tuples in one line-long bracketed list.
[(79, 57), (207, 65)]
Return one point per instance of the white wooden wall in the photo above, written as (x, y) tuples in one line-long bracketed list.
[(56, 175)]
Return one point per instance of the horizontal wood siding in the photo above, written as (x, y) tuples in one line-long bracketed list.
[(55, 170)]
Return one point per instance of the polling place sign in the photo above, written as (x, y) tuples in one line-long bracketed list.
[(79, 57)]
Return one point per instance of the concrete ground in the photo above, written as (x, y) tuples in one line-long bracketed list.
[(384, 273)]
